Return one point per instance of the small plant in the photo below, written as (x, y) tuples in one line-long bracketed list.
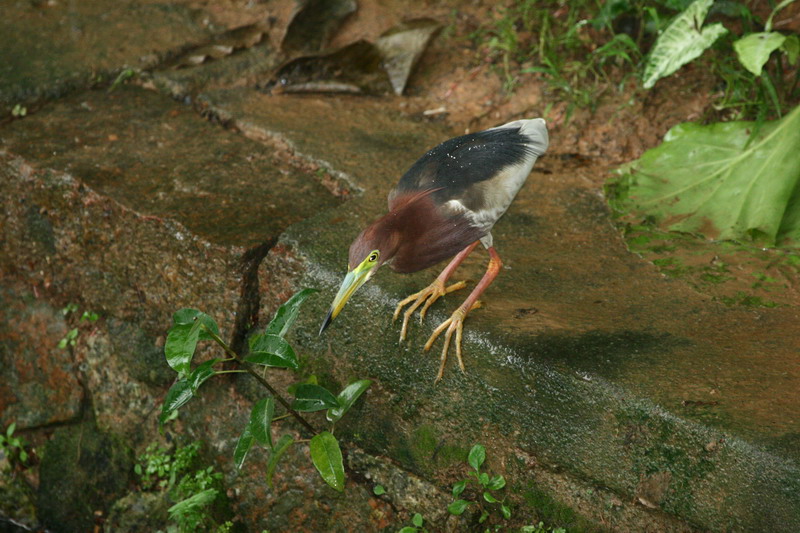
[(194, 491), (13, 447), (19, 111), (418, 522), (72, 335), (270, 350), (487, 485), (540, 528)]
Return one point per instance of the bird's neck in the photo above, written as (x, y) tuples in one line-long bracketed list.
[(417, 235)]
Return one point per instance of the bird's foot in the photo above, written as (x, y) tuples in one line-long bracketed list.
[(453, 324), (426, 296)]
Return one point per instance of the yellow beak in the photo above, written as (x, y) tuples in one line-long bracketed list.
[(352, 281)]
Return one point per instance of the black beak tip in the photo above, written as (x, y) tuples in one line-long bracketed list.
[(327, 322)]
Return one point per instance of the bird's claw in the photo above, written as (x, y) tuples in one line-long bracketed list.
[(453, 324), (426, 296)]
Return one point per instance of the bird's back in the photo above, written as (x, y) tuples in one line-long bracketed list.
[(477, 174)]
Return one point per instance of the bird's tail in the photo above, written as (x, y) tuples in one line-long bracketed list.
[(535, 129)]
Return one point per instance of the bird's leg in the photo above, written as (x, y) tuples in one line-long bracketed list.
[(456, 321), (432, 292)]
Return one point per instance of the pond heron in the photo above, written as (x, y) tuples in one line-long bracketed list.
[(445, 205)]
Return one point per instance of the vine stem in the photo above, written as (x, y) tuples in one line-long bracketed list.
[(260, 379)]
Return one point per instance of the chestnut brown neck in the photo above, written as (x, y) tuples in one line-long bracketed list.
[(414, 235)]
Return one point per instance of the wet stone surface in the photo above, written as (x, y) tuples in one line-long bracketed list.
[(112, 34), (39, 385), (160, 159), (602, 388)]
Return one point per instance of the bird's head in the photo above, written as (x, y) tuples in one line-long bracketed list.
[(372, 248)]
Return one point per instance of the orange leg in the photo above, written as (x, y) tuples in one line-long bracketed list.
[(456, 321), (432, 292)]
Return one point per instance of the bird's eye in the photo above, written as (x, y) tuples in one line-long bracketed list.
[(373, 256)]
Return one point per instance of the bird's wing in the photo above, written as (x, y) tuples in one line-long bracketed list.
[(454, 167)]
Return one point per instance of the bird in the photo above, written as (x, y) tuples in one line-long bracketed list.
[(443, 207)]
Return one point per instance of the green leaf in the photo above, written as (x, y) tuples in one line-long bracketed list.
[(10, 429), (287, 313), (792, 48), (271, 350), (379, 490), (261, 421), (347, 398), (754, 50), (200, 374), (178, 394), (483, 479), (309, 398), (192, 504), (489, 498), (183, 336), (458, 488), (458, 507), (506, 510), (496, 483), (717, 181), (312, 379), (477, 455), (327, 458), (682, 41), (187, 316), (417, 520), (407, 529), (277, 452), (243, 446)]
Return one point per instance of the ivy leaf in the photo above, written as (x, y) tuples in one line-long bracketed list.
[(189, 327), (718, 181), (327, 458), (277, 452), (682, 41), (753, 50), (243, 446), (477, 455), (347, 398), (272, 350), (309, 398), (287, 313), (261, 421)]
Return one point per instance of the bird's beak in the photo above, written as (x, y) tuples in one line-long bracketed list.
[(354, 279)]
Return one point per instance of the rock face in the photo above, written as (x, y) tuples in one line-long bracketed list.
[(608, 396)]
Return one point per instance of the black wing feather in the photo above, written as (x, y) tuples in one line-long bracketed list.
[(459, 163)]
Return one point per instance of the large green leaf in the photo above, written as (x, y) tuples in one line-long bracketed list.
[(347, 398), (310, 398), (754, 50), (189, 326), (327, 457), (721, 181), (272, 350), (178, 394), (682, 41), (261, 421), (243, 446), (287, 313)]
